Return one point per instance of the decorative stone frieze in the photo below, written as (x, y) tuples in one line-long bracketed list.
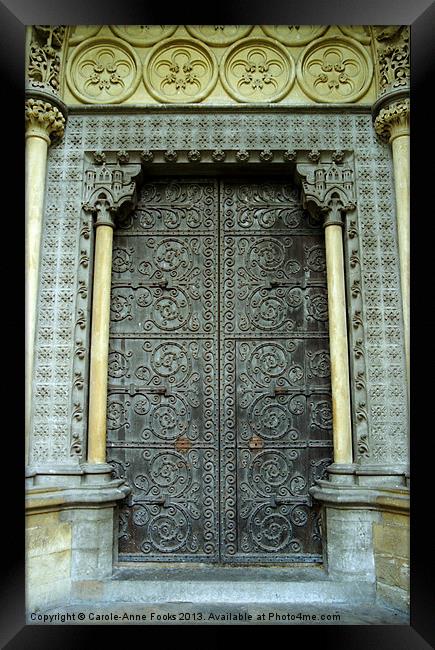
[(393, 121)]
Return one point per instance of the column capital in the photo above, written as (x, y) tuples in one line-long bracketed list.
[(109, 189), (44, 117), (328, 189), (393, 120)]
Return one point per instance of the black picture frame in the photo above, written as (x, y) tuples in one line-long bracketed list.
[(14, 16)]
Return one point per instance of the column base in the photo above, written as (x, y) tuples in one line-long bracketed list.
[(365, 528), (70, 532)]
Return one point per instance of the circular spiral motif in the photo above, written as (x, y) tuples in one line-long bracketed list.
[(170, 360), (318, 307), (320, 364), (333, 69), (120, 307), (180, 70), (267, 254), (115, 415), (267, 362), (219, 34), (143, 34), (299, 516), (171, 472), (316, 260), (270, 530), (268, 311), (268, 471), (270, 420), (294, 34), (103, 71), (172, 311), (169, 531), (121, 260), (172, 254), (118, 365), (169, 421), (322, 415), (256, 69)]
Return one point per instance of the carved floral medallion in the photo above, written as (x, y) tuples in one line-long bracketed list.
[(219, 34), (334, 70), (143, 34), (256, 69), (180, 70), (294, 34), (103, 71), (79, 33), (360, 32)]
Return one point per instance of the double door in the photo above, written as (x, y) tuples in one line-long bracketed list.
[(219, 405)]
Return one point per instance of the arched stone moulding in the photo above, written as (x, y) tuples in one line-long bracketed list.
[(327, 181)]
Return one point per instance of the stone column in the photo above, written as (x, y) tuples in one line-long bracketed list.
[(392, 126), (44, 122), (109, 189), (328, 189), (341, 420), (100, 336)]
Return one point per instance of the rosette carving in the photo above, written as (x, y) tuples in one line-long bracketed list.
[(143, 34), (219, 34), (180, 70), (294, 34), (103, 71), (256, 69), (40, 114), (334, 69)]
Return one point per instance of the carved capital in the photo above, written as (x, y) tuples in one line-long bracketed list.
[(44, 59), (393, 120), (109, 189), (392, 57), (44, 119), (327, 189)]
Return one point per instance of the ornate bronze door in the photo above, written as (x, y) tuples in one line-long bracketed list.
[(219, 409)]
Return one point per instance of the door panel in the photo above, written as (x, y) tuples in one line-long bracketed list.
[(162, 398), (219, 407), (275, 402)]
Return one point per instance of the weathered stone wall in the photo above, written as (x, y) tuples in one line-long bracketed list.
[(48, 559), (391, 552)]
